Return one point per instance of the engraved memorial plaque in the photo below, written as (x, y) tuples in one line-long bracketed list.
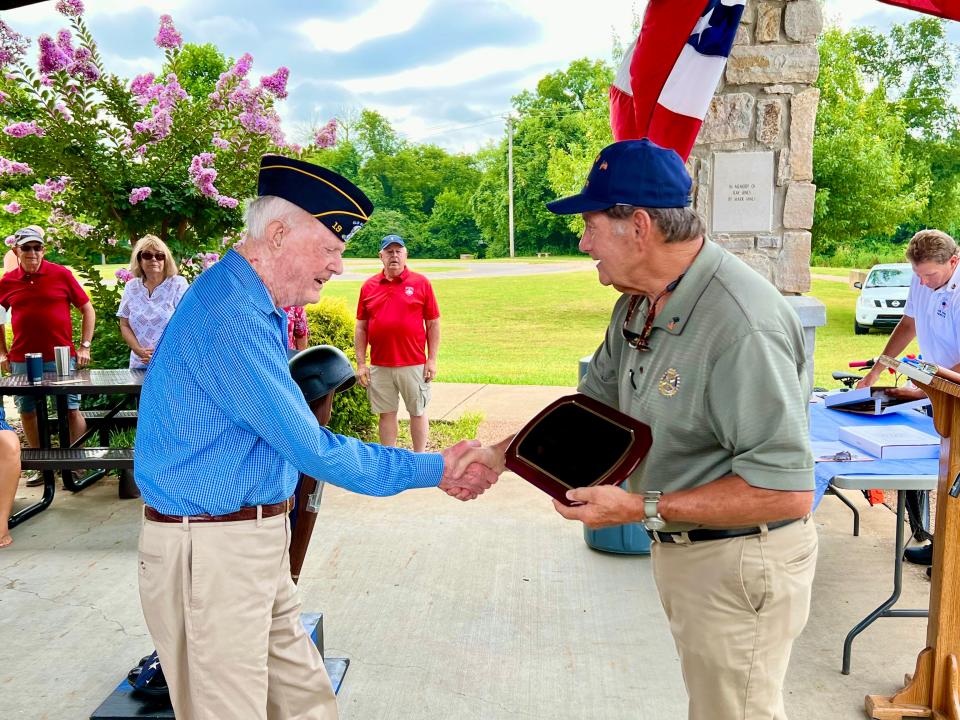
[(742, 192)]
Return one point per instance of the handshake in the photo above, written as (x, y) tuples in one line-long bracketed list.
[(470, 469)]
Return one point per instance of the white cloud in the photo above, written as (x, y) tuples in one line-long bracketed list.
[(387, 17)]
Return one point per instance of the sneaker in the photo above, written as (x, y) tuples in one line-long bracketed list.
[(922, 555), (33, 478)]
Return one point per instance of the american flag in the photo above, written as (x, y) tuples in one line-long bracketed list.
[(668, 76), (949, 9)]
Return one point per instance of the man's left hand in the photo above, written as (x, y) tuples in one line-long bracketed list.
[(429, 370), (83, 356), (602, 506)]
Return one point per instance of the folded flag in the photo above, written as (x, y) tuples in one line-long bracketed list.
[(668, 75), (949, 9)]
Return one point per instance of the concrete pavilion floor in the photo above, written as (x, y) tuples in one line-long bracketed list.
[(494, 609)]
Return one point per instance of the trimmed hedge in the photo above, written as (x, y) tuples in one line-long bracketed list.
[(332, 323)]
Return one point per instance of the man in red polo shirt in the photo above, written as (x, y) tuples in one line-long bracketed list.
[(397, 315), (39, 294)]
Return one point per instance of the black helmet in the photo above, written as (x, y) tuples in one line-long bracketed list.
[(320, 370)]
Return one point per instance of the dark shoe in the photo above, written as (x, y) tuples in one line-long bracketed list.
[(930, 572), (922, 555), (128, 489)]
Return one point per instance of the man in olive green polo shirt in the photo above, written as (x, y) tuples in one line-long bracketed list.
[(711, 357)]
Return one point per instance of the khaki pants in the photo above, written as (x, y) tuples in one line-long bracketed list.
[(387, 383), (735, 607), (225, 617)]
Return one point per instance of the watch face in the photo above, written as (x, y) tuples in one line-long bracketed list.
[(654, 523)]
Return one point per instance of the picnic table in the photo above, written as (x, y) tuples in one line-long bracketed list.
[(72, 456)]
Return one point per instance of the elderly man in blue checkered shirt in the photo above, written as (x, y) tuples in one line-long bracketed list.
[(223, 431)]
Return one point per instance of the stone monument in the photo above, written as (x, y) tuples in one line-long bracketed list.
[(753, 162)]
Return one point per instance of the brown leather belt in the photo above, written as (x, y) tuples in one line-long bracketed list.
[(244, 513)]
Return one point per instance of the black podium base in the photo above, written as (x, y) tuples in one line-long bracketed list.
[(122, 704)]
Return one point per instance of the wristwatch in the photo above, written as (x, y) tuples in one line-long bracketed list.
[(651, 512), (85, 344)]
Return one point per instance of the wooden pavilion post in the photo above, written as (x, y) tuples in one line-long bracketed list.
[(934, 690)]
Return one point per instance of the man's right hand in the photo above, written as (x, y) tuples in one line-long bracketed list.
[(4, 363), (469, 469), (363, 375)]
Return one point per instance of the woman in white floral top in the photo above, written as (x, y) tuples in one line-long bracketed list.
[(149, 299)]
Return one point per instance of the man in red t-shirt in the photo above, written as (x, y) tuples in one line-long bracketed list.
[(397, 315), (39, 294)]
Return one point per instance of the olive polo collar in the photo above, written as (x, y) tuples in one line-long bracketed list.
[(679, 306)]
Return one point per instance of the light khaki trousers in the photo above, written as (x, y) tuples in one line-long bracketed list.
[(735, 607), (225, 617)]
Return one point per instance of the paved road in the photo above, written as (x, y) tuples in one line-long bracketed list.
[(361, 269)]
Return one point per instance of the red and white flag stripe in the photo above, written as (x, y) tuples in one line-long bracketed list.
[(668, 76)]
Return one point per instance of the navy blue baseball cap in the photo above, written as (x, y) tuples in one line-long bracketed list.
[(631, 172), (392, 240), (329, 197)]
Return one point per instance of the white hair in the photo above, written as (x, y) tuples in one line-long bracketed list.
[(262, 211)]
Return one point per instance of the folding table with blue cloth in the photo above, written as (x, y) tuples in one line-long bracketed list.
[(899, 475)]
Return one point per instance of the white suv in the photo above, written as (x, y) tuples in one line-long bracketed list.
[(883, 295)]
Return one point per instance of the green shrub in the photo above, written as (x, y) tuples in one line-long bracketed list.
[(332, 323)]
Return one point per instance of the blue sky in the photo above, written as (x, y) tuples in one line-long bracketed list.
[(442, 71)]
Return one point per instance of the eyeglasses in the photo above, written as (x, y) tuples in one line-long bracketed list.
[(147, 255), (32, 248), (640, 341)]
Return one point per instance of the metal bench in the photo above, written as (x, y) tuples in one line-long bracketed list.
[(102, 422), (48, 460), (77, 458)]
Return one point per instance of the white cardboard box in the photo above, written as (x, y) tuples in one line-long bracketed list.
[(870, 401), (891, 442)]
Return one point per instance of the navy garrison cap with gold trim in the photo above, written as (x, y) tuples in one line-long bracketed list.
[(329, 197)]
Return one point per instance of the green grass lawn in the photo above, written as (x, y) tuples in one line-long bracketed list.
[(514, 330)]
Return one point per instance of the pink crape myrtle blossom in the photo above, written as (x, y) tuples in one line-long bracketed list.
[(64, 111), (53, 186), (12, 45), (276, 83), (52, 57), (22, 129), (219, 142), (140, 85), (9, 241), (83, 66), (168, 37), (327, 135), (82, 229), (70, 8), (123, 275), (209, 259), (12, 167), (13, 208), (227, 202), (138, 194), (112, 241), (202, 174)]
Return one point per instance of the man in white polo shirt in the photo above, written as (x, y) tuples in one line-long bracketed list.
[(932, 315)]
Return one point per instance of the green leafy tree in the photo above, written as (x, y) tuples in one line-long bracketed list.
[(866, 183), (556, 128)]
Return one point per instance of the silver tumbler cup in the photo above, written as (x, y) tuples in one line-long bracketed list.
[(61, 354)]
